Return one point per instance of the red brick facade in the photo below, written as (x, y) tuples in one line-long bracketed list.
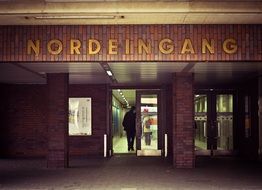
[(247, 143), (35, 116), (90, 145), (23, 131), (183, 126), (57, 125), (13, 42), (24, 114)]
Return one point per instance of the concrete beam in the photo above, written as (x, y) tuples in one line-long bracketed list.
[(130, 12)]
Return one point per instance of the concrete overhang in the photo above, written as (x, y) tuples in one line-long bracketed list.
[(56, 12)]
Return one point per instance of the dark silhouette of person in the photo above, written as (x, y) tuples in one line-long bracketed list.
[(129, 123)]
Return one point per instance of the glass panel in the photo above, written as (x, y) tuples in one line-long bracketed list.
[(224, 122), (200, 122), (119, 110), (119, 137), (79, 116), (149, 122)]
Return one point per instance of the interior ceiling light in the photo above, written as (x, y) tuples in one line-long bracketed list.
[(77, 17), (109, 73), (123, 96)]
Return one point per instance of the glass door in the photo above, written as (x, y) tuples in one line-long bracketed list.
[(148, 124), (201, 136), (224, 121), (213, 124)]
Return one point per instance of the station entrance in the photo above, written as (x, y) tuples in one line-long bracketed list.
[(214, 123), (149, 128), (214, 126), (166, 65)]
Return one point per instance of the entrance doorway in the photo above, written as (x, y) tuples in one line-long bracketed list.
[(148, 141), (122, 100), (148, 133), (214, 123)]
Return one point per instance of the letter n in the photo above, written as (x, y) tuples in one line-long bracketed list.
[(33, 46)]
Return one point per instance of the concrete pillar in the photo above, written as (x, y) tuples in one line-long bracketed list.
[(183, 125), (57, 120), (260, 115)]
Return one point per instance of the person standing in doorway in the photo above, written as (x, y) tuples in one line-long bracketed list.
[(129, 123), (147, 130)]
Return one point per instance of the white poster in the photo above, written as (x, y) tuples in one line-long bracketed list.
[(80, 116)]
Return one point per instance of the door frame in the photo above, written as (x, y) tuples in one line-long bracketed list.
[(161, 104), (160, 114), (212, 127)]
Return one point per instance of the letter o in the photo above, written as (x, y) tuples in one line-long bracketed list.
[(58, 50)]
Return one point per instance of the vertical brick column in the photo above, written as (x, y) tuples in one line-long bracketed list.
[(57, 120), (260, 116), (183, 130)]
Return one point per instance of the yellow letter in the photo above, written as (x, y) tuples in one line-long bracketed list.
[(94, 46), (209, 46), (112, 47), (35, 46), (187, 47), (56, 42), (169, 46), (75, 46), (127, 46), (142, 46), (230, 46)]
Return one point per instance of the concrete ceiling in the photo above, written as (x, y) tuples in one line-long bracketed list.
[(130, 96), (131, 73), (69, 12), (128, 74)]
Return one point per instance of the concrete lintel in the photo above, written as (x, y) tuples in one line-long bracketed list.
[(130, 7)]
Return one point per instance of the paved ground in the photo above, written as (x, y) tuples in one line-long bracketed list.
[(131, 173)]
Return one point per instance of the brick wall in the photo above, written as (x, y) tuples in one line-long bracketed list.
[(3, 119), (13, 42), (23, 112), (23, 121), (169, 121), (247, 145), (90, 145), (183, 130), (57, 127)]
